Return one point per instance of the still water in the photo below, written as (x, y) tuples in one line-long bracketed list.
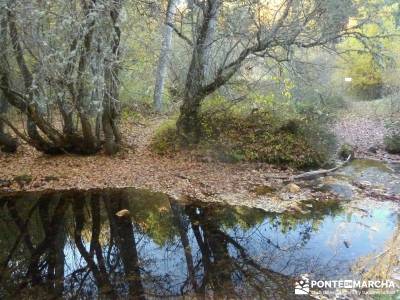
[(135, 244)]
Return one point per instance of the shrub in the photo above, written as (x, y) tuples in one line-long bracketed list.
[(345, 151), (320, 109), (392, 144), (165, 139), (392, 139), (249, 132)]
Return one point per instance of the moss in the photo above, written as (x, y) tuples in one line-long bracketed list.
[(392, 143), (23, 179), (165, 140), (345, 151), (262, 190), (234, 135)]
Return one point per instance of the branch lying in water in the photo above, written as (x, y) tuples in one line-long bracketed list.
[(312, 174)]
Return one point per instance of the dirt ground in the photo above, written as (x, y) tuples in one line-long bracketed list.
[(181, 176), (135, 166), (363, 125)]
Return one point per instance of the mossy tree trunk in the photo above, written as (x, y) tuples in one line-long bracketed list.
[(111, 107), (77, 94), (188, 124), (7, 142)]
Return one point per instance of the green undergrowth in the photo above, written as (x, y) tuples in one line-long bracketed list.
[(392, 138), (252, 131)]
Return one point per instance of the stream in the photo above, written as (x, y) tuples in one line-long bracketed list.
[(136, 244)]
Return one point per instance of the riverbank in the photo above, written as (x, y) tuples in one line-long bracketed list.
[(184, 175)]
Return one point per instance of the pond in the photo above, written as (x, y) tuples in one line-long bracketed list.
[(127, 243)]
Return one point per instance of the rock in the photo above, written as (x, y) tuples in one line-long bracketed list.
[(396, 274), (342, 190), (123, 213), (37, 184), (329, 179), (293, 188), (296, 208), (51, 178), (5, 183), (206, 159), (365, 183), (373, 149)]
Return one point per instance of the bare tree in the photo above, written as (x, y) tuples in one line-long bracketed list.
[(67, 56)]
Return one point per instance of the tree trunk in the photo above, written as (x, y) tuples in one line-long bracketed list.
[(123, 229), (42, 133), (182, 226), (188, 124), (110, 145), (7, 143), (164, 56), (112, 135), (106, 290), (209, 41)]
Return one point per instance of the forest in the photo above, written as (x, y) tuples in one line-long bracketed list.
[(130, 129)]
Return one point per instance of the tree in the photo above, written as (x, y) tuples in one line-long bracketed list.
[(66, 69), (164, 56), (372, 65), (252, 29), (7, 143)]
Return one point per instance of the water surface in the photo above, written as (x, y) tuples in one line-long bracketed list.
[(137, 244)]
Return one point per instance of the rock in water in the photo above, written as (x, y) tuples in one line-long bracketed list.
[(123, 213), (342, 190), (293, 188)]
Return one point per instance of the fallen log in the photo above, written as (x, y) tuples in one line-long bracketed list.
[(312, 174)]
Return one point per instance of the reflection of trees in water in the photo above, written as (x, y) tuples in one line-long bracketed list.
[(41, 265), (222, 271), (42, 243), (75, 245)]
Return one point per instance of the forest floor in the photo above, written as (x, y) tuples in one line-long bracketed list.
[(182, 176), (362, 125)]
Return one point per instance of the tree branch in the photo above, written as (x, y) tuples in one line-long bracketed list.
[(180, 34)]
